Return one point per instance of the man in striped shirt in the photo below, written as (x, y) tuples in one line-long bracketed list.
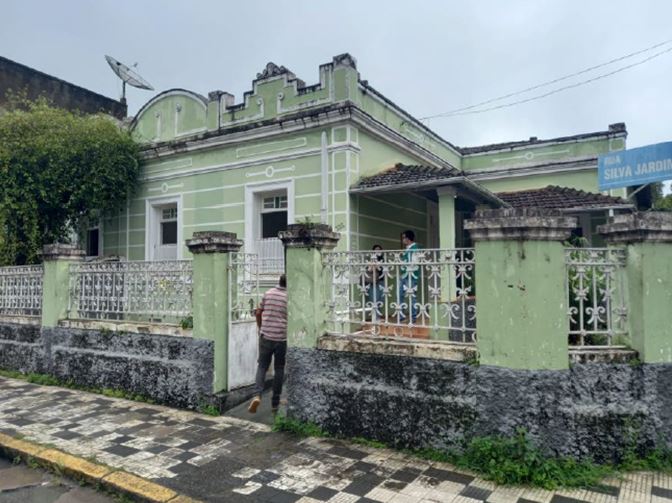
[(272, 323)]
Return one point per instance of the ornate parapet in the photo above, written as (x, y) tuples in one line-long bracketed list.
[(214, 242), (61, 251), (320, 236), (654, 226), (520, 224)]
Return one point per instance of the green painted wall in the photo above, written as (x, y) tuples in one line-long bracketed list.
[(649, 271), (541, 154), (211, 312), (55, 291), (382, 218), (584, 180), (521, 289)]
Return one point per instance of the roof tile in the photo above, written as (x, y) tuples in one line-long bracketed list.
[(555, 197)]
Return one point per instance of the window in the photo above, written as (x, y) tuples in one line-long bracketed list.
[(275, 202), (273, 214), (92, 242), (169, 225), (273, 223)]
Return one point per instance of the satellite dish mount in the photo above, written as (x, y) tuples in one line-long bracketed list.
[(127, 76)]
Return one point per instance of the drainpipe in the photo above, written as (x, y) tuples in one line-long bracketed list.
[(324, 165)]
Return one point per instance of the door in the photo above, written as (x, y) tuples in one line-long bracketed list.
[(163, 230), (167, 232)]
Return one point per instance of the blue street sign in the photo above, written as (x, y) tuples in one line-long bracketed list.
[(637, 166)]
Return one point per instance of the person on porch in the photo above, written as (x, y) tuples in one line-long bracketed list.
[(272, 322), (409, 276)]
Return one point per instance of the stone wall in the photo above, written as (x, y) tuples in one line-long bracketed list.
[(588, 411), (168, 369), (18, 77)]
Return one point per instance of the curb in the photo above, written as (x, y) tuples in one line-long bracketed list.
[(91, 472)]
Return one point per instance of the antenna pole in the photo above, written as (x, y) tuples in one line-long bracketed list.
[(123, 92)]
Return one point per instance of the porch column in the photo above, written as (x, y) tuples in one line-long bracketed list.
[(307, 281), (648, 240), (521, 300), (447, 197), (56, 282), (212, 255)]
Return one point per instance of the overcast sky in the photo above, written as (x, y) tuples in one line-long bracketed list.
[(427, 56)]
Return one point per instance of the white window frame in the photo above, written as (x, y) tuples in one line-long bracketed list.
[(152, 227), (254, 205)]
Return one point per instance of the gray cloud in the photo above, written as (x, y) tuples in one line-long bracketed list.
[(428, 56)]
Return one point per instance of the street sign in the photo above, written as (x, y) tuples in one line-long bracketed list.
[(637, 166)]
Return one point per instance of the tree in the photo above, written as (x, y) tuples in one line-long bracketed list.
[(58, 170), (661, 202)]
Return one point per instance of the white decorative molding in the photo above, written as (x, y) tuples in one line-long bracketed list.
[(530, 156), (168, 165), (164, 187), (244, 164), (270, 171), (270, 147)]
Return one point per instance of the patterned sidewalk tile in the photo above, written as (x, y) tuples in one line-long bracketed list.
[(228, 459)]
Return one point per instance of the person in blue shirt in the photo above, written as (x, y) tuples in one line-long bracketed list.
[(408, 289)]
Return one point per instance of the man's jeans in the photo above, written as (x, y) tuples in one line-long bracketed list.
[(267, 350)]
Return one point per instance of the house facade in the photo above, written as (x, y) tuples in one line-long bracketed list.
[(337, 152)]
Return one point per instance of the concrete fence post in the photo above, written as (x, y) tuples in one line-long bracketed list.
[(521, 296), (211, 250), (307, 281), (648, 240), (56, 282)]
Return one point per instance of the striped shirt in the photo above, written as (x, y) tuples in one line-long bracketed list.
[(274, 314)]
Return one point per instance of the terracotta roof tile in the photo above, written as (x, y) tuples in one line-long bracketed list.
[(401, 174), (555, 197)]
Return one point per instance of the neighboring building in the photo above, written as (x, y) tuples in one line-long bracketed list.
[(339, 152), (19, 78)]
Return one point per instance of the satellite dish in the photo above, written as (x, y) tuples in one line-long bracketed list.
[(127, 76)]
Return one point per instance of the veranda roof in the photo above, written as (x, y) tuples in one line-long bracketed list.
[(403, 177), (563, 198)]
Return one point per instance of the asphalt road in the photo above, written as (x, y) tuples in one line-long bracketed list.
[(21, 484)]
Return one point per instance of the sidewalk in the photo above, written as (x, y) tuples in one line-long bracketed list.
[(230, 459)]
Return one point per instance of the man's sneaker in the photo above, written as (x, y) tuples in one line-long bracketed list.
[(254, 405)]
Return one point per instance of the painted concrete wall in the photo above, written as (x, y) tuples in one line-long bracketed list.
[(589, 411), (171, 370)]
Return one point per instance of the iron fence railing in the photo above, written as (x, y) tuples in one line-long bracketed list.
[(144, 291), (597, 311), (245, 285), (425, 293), (21, 290)]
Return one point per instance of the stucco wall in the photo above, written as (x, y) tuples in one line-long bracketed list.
[(590, 410), (168, 369), (18, 78)]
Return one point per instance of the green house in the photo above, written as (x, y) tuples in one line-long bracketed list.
[(338, 152)]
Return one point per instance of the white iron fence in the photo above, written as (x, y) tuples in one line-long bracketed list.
[(419, 293), (271, 256), (21, 290), (596, 291), (158, 291), (245, 286)]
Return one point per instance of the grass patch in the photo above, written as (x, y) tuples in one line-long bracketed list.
[(510, 460), (283, 423), (208, 409), (49, 380)]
